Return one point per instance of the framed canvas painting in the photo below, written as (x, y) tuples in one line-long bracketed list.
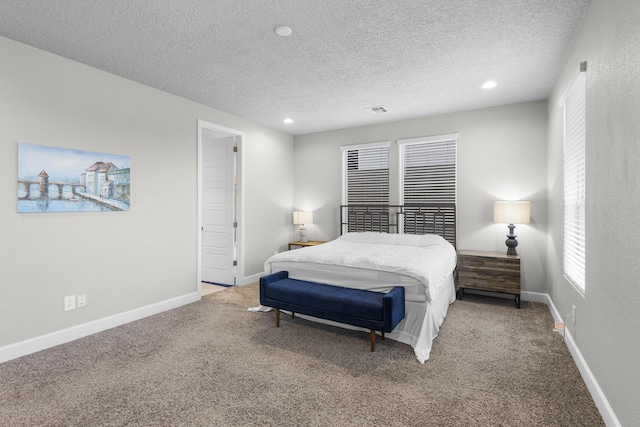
[(52, 179)]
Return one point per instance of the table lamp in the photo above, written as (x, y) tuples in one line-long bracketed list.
[(301, 218), (509, 212)]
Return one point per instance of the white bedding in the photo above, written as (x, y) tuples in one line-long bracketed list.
[(426, 259), (422, 264)]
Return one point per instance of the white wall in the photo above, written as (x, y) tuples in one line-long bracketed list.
[(121, 260), (269, 200), (501, 156), (606, 328)]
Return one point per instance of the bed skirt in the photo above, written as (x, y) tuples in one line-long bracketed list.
[(421, 324)]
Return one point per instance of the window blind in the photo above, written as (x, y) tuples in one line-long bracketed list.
[(428, 175), (428, 169), (366, 181), (574, 182), (366, 174)]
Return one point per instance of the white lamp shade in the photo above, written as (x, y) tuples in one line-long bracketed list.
[(302, 217), (507, 212)]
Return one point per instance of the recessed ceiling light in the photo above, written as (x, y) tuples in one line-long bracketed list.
[(288, 120), (283, 30), (489, 85)]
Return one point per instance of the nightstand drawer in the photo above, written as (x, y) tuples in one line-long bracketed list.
[(489, 282)]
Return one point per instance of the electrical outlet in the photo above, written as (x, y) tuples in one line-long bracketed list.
[(573, 313), (69, 303), (82, 301)]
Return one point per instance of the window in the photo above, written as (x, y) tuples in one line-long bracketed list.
[(428, 169), (428, 175), (573, 104), (366, 173), (366, 181)]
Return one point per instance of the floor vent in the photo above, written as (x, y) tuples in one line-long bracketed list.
[(376, 110)]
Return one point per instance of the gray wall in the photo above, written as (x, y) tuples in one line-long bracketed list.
[(606, 328), (120, 260), (502, 155)]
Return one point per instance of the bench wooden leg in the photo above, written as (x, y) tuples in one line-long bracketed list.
[(373, 340), (277, 317), (382, 335)]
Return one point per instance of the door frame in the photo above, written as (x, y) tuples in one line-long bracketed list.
[(223, 131)]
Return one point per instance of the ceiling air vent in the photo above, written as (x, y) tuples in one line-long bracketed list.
[(376, 110)]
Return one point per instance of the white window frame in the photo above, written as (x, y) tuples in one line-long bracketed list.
[(345, 149), (438, 139), (573, 104)]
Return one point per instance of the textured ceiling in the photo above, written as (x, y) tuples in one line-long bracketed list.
[(415, 57)]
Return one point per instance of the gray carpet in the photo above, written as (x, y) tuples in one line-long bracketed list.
[(212, 363)]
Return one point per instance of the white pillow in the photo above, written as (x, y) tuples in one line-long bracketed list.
[(420, 240)]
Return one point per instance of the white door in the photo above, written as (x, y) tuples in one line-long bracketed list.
[(218, 210)]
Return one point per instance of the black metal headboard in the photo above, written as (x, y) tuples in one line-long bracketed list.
[(416, 218)]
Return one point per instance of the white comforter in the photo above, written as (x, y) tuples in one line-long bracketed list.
[(429, 259)]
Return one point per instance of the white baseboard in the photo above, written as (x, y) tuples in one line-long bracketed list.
[(32, 345), (597, 394), (251, 279), (535, 297)]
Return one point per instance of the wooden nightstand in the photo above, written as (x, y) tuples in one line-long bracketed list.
[(303, 244), (489, 271)]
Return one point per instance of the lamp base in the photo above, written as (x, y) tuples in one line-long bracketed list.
[(511, 241), (303, 234)]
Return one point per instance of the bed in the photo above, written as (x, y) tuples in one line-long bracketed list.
[(382, 246)]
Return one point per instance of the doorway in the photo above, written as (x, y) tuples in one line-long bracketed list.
[(220, 219)]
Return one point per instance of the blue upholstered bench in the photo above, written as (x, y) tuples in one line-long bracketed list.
[(367, 309)]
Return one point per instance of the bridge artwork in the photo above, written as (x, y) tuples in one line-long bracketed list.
[(53, 179), (45, 189)]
